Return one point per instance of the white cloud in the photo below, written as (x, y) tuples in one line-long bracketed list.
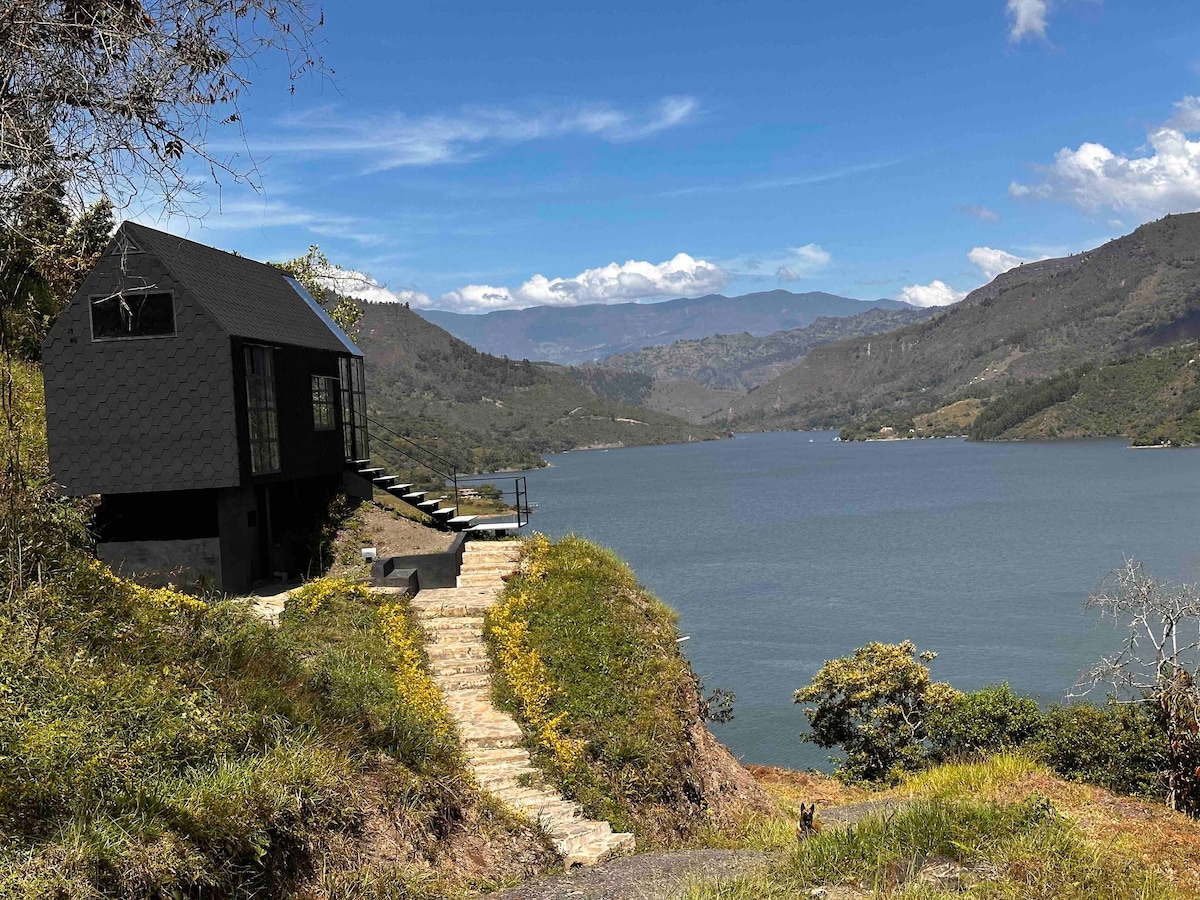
[(396, 140), (635, 280), (1164, 179), (936, 293), (362, 286), (993, 262), (1028, 19), (680, 276)]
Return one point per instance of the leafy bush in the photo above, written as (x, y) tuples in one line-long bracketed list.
[(990, 720), (875, 705), (1119, 747)]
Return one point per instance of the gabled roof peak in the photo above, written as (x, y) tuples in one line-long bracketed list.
[(248, 299)]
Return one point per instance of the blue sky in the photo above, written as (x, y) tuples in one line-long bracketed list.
[(474, 156)]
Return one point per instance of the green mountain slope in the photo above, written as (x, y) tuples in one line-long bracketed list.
[(1151, 398), (739, 362), (484, 412), (1132, 295)]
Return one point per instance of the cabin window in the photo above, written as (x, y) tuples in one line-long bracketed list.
[(324, 402), (132, 316), (261, 410)]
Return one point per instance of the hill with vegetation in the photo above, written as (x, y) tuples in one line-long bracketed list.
[(486, 413), (1151, 398), (576, 334), (1133, 295), (739, 362)]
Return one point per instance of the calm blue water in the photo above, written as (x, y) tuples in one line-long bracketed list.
[(783, 550)]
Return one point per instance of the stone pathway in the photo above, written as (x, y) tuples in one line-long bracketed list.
[(458, 661)]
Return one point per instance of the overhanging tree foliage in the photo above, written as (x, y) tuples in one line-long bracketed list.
[(111, 101)]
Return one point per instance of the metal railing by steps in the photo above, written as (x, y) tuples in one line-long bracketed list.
[(408, 454)]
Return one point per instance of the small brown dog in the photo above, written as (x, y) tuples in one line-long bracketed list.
[(807, 825)]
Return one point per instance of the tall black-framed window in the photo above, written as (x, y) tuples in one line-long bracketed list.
[(261, 410), (354, 407), (123, 316), (324, 402)]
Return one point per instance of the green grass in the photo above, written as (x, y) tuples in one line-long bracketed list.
[(1019, 850), (614, 673), (151, 749)]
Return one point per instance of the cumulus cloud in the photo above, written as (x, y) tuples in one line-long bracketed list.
[(361, 286), (682, 275), (1027, 19), (1165, 178), (936, 293), (397, 140), (634, 280), (993, 262)]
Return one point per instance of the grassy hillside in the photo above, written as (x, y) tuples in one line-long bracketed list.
[(486, 412), (1001, 828), (1132, 295), (739, 362), (156, 744), (588, 663), (1151, 398)]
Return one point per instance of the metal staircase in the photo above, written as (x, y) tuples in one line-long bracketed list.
[(444, 511)]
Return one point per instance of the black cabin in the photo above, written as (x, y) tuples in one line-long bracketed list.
[(210, 402)]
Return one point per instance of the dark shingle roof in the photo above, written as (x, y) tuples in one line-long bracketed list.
[(248, 299)]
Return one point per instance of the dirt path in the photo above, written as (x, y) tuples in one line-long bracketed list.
[(660, 875)]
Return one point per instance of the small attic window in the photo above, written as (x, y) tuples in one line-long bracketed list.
[(123, 245), (132, 316)]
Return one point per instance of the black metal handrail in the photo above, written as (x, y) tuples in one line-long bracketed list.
[(412, 443), (520, 490)]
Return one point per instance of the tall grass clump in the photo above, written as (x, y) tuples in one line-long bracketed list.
[(938, 848), (586, 659)]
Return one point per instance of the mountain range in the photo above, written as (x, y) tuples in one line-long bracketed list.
[(1134, 295), (740, 362), (578, 334), (480, 412)]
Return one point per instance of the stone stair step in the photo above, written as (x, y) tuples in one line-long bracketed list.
[(459, 667), (474, 650), (466, 681), (517, 794), (461, 635), (496, 757), (437, 624), (491, 742), (467, 581)]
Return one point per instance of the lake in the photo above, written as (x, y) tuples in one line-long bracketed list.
[(783, 550)]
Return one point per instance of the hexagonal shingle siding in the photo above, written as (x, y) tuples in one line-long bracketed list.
[(143, 414)]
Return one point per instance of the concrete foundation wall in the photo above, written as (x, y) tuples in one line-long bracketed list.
[(158, 563)]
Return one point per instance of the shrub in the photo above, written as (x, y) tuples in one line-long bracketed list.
[(875, 705), (990, 720), (1118, 747)]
